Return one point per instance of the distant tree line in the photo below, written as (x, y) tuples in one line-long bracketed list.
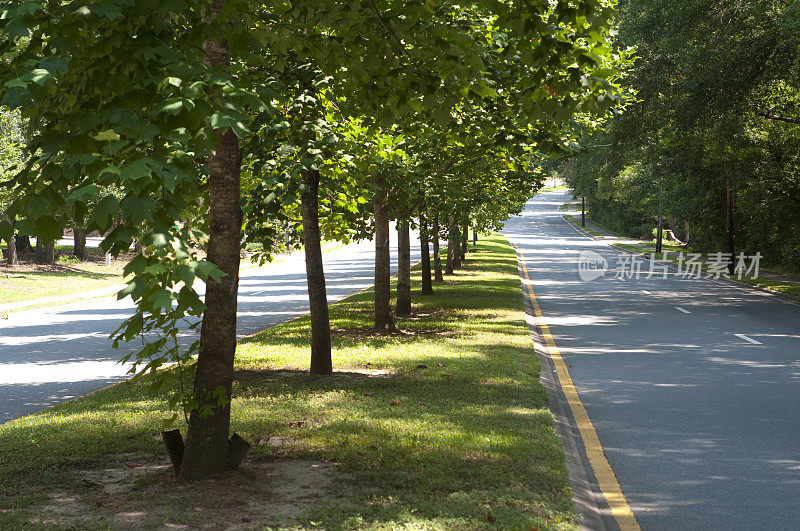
[(712, 136)]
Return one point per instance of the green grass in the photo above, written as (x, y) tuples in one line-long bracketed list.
[(27, 282), (650, 247), (464, 442), (576, 221), (558, 188), (778, 286), (58, 248)]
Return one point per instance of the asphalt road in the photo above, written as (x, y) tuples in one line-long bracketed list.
[(700, 425), (52, 354)]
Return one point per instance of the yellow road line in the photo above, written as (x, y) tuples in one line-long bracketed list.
[(606, 479)]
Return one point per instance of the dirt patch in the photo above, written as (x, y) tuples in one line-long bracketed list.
[(133, 495)]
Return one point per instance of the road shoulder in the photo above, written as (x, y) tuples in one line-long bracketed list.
[(590, 504)]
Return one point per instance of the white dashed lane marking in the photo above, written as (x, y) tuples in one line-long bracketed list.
[(684, 310), (748, 339)]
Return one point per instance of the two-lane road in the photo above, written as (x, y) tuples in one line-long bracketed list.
[(692, 385), (52, 354)]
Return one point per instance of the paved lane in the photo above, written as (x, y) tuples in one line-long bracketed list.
[(52, 354), (700, 424)]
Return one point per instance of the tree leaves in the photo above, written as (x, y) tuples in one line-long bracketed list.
[(6, 230), (704, 70), (104, 213), (137, 169), (47, 228), (84, 192), (107, 135), (230, 119)]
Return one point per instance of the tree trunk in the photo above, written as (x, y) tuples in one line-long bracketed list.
[(583, 211), (448, 265), (384, 320), (11, 246), (437, 255), (403, 305), (321, 362), (11, 251), (673, 226), (427, 284), (465, 241), (79, 245), (45, 254), (474, 238), (207, 436), (50, 253), (686, 227), (455, 237), (453, 251), (23, 244)]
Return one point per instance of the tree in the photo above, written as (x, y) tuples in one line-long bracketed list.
[(79, 243), (207, 435), (437, 254), (45, 252), (11, 154), (321, 362), (403, 305), (384, 319), (145, 132), (453, 251), (427, 282), (465, 239)]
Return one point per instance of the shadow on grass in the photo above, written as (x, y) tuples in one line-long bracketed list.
[(59, 272)]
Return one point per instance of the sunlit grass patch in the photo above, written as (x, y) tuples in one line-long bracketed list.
[(576, 221), (22, 284)]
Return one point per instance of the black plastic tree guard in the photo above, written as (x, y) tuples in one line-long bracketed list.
[(237, 450), (174, 443)]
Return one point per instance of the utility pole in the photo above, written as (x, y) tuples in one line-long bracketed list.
[(660, 193), (731, 242), (583, 211)]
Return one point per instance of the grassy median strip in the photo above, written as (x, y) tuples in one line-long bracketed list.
[(442, 426)]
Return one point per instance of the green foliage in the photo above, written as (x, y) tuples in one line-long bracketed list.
[(12, 143)]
